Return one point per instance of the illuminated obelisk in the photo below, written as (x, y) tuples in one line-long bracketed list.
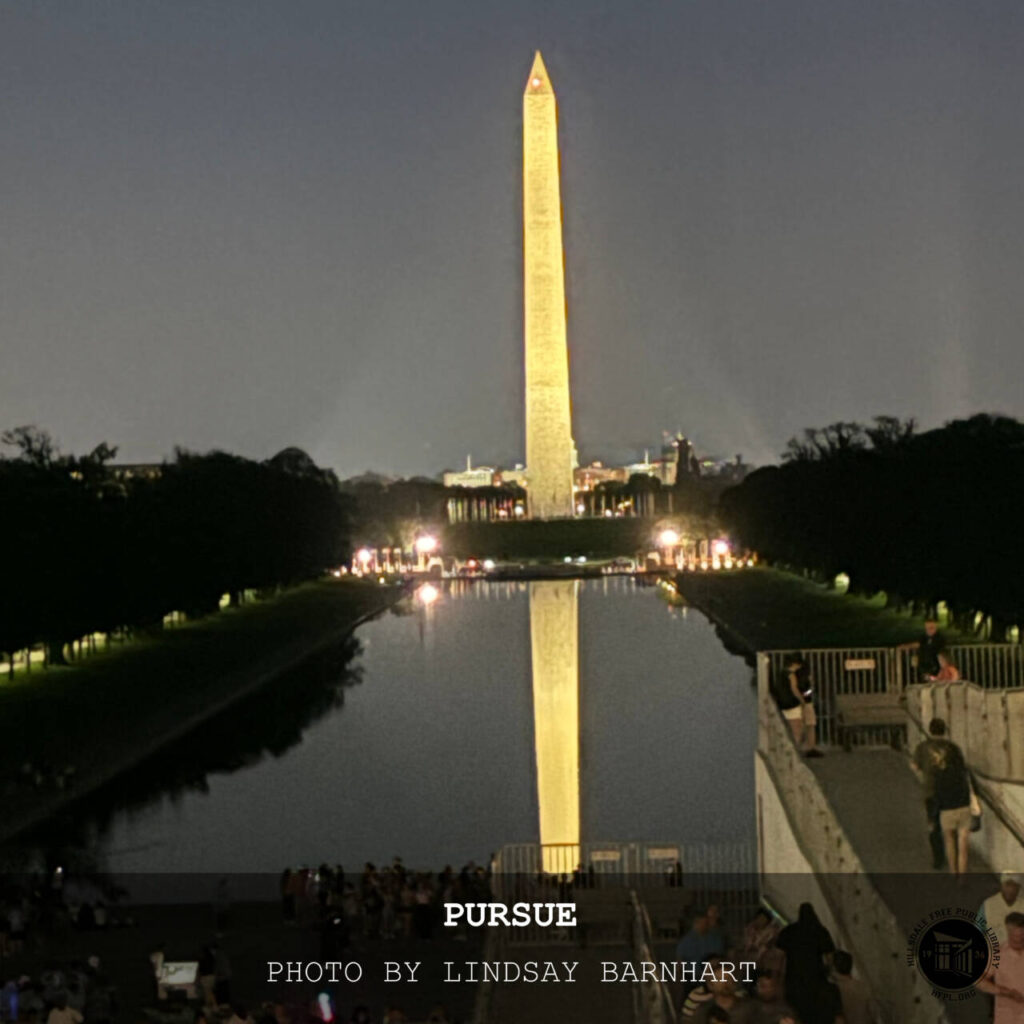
[(554, 632), (549, 444)]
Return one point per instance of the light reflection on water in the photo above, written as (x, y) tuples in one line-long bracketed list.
[(427, 750)]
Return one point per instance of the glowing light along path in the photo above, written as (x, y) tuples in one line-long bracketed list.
[(549, 445), (554, 639)]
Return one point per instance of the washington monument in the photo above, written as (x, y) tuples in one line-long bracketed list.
[(549, 447)]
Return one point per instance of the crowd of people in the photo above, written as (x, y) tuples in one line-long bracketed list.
[(61, 994), (801, 978), (32, 910), (387, 902)]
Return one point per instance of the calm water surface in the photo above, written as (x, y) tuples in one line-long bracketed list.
[(420, 743)]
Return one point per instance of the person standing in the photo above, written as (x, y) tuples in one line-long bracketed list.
[(927, 645), (704, 938), (1009, 900), (207, 972), (1006, 980), (806, 943), (759, 935), (947, 786), (796, 701)]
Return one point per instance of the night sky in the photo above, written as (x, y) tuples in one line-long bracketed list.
[(248, 225)]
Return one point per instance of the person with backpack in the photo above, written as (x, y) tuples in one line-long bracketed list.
[(795, 697), (942, 768)]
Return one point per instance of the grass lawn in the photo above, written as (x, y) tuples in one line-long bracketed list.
[(116, 706), (767, 609)]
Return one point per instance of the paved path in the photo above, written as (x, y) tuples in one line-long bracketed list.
[(877, 799)]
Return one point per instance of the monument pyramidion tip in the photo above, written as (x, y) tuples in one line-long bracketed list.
[(539, 81)]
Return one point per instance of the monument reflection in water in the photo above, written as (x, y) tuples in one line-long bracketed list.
[(554, 642)]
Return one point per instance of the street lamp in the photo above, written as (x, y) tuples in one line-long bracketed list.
[(720, 555), (669, 539), (425, 546)]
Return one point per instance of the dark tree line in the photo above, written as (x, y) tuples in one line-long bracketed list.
[(393, 512), (926, 517), (86, 548)]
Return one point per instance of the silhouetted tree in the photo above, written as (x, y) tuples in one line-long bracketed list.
[(84, 550), (932, 516)]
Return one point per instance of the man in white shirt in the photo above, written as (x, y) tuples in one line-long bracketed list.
[(1006, 980), (1009, 900)]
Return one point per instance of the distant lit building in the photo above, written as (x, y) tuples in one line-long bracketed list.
[(677, 462), (515, 477), (479, 476), (663, 470), (733, 470), (586, 478)]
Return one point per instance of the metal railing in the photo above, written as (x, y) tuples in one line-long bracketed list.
[(866, 670), (485, 990), (991, 666), (840, 671), (605, 864), (864, 922), (652, 1001), (676, 878)]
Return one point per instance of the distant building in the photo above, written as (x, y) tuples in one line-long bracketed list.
[(680, 450), (677, 462), (663, 470), (732, 470), (586, 478), (480, 476), (515, 477)]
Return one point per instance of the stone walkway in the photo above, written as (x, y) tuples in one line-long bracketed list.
[(877, 799)]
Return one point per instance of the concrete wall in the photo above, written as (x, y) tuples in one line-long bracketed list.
[(799, 834), (988, 725), (787, 876)]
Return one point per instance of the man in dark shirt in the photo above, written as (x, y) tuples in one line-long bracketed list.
[(947, 791), (927, 645)]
